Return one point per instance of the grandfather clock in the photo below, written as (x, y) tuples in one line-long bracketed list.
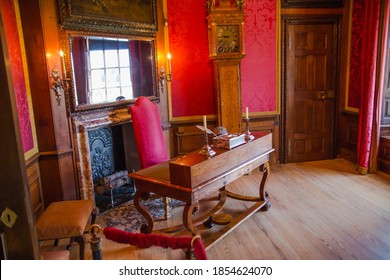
[(226, 49)]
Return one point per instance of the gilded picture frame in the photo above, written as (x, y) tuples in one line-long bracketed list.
[(119, 16)]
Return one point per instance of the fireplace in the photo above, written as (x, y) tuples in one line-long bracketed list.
[(104, 144)]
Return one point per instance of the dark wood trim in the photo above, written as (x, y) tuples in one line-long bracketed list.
[(312, 3), (20, 240), (348, 135), (384, 154), (186, 137), (304, 19), (56, 154)]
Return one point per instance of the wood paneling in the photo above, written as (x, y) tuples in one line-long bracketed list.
[(56, 163), (188, 139), (348, 135), (268, 124), (21, 240), (34, 181), (384, 154), (228, 93)]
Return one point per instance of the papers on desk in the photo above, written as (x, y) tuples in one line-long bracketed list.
[(228, 141)]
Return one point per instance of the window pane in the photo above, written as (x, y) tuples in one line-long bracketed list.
[(112, 77), (111, 57), (113, 93), (124, 59), (125, 77), (127, 92), (96, 59), (98, 96), (97, 79)]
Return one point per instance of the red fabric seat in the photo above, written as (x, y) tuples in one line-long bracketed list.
[(149, 137), (148, 132)]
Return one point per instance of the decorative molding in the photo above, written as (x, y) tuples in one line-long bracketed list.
[(239, 4), (82, 125), (57, 154), (312, 3), (97, 15), (291, 20), (70, 96)]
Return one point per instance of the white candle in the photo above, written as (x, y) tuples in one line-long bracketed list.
[(169, 63), (204, 123), (247, 113), (63, 63)]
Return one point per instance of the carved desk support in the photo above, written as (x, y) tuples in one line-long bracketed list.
[(157, 179)]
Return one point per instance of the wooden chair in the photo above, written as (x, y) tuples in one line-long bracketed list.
[(149, 137), (66, 219)]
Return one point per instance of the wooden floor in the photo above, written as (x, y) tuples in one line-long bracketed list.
[(320, 210)]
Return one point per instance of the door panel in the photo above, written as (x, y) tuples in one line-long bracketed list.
[(310, 91)]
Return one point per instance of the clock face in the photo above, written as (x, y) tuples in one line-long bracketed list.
[(228, 40)]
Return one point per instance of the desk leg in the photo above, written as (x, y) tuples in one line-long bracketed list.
[(262, 192), (139, 194), (187, 218)]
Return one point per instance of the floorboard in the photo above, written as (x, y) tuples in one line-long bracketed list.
[(321, 210)]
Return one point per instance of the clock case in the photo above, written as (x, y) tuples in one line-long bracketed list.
[(227, 65), (225, 17)]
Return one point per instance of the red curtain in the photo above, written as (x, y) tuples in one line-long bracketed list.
[(141, 68), (80, 69), (368, 135)]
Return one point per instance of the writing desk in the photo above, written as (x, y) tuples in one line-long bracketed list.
[(194, 177)]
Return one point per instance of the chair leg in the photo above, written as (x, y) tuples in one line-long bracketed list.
[(93, 215), (80, 241), (69, 246)]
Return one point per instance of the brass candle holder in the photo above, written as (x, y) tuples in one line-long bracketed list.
[(207, 150), (248, 136)]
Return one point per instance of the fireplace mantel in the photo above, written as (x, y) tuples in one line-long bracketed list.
[(81, 125)]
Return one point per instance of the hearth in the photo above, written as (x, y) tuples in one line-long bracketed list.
[(104, 144), (112, 186)]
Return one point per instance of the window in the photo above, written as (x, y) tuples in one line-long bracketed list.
[(109, 71)]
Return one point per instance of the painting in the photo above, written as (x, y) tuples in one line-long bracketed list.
[(120, 16)]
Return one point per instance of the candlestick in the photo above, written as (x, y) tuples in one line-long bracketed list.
[(169, 63), (247, 113), (248, 136), (63, 63), (205, 123)]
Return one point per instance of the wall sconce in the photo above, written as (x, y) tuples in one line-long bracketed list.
[(166, 76), (57, 85)]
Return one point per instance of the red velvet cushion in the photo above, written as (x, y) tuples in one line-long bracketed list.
[(148, 132)]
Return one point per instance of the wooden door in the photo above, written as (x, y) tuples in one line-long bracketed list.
[(311, 72)]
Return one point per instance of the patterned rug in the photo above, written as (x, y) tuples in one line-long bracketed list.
[(127, 218)]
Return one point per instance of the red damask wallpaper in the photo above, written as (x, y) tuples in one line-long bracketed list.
[(192, 91), (353, 98), (10, 12), (258, 68), (192, 87)]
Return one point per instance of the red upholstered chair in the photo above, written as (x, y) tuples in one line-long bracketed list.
[(149, 136)]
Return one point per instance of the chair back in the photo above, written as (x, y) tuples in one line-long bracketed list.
[(148, 132)]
